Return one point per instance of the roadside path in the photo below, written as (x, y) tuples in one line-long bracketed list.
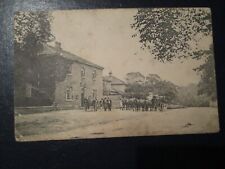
[(79, 124)]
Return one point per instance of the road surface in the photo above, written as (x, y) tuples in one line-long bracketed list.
[(75, 124)]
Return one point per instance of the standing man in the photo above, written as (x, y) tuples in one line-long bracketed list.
[(121, 104), (110, 104), (146, 105), (154, 102), (135, 105), (86, 105), (95, 104), (101, 103), (89, 102), (105, 104)]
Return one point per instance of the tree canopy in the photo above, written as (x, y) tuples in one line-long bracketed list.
[(31, 30), (207, 84), (188, 96), (175, 33), (159, 87), (169, 33)]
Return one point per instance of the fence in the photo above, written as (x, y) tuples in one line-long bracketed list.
[(40, 109)]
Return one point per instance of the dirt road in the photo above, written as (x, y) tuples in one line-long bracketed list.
[(79, 124)]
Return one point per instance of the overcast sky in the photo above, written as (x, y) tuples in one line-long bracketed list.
[(104, 37)]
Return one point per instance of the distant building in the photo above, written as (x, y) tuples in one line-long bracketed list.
[(135, 77), (80, 79), (114, 88)]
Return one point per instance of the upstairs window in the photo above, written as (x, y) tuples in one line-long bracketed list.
[(94, 74), (69, 94), (82, 72), (69, 70)]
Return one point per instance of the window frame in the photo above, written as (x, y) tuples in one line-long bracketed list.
[(82, 72), (94, 74), (70, 71), (71, 93)]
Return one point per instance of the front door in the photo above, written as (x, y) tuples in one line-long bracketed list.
[(82, 99)]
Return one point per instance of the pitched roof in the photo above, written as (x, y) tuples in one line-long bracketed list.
[(49, 50), (116, 91), (114, 80)]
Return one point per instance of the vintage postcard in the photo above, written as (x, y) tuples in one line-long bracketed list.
[(106, 73)]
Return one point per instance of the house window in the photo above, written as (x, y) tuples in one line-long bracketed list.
[(82, 72), (69, 93), (28, 91), (69, 70), (94, 74)]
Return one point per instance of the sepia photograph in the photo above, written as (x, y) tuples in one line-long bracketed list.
[(104, 73)]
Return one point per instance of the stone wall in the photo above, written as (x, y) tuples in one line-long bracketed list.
[(40, 109)]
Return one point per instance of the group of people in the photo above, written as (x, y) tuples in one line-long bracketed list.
[(142, 104), (102, 104), (126, 104)]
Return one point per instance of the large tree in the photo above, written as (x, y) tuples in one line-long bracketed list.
[(32, 30), (136, 90), (207, 84), (169, 33), (159, 87), (174, 33)]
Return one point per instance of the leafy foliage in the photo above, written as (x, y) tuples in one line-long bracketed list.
[(170, 33), (167, 89), (207, 84), (31, 31), (136, 90), (188, 96), (161, 87), (167, 32)]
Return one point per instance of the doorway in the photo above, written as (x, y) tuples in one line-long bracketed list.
[(82, 99)]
